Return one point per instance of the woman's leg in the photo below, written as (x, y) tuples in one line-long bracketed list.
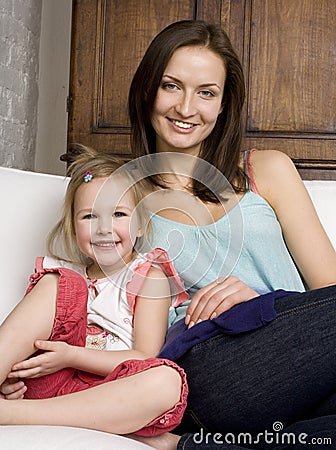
[(279, 373), (307, 434), (32, 319), (121, 406)]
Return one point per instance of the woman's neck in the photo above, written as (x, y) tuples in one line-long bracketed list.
[(176, 169)]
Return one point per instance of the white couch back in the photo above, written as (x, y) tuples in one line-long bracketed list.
[(31, 204)]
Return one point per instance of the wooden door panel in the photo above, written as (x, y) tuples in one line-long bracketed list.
[(291, 99), (290, 67)]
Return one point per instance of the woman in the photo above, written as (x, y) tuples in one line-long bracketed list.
[(186, 98)]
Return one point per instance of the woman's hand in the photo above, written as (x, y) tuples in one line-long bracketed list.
[(12, 389), (55, 356), (217, 297)]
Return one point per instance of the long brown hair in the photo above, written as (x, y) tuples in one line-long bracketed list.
[(222, 148)]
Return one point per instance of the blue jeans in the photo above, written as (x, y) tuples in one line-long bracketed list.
[(282, 375)]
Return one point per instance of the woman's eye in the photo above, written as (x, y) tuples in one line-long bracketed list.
[(207, 94), (169, 86)]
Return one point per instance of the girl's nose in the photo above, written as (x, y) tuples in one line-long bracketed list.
[(105, 226)]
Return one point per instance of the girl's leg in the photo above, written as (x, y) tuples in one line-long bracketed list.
[(122, 406), (279, 373), (32, 319)]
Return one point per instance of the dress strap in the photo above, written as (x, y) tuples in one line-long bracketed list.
[(156, 258)]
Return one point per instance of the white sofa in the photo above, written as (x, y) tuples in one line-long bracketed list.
[(31, 203)]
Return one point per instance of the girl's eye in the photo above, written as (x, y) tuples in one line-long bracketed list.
[(119, 214), (89, 216)]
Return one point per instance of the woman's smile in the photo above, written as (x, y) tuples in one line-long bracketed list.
[(181, 126)]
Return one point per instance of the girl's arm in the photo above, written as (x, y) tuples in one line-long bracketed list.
[(150, 326), (280, 185)]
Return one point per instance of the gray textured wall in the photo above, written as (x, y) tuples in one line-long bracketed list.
[(20, 22)]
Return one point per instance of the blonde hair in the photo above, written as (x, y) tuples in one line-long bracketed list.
[(61, 242)]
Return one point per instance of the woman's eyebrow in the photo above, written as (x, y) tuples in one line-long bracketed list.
[(171, 77), (165, 75)]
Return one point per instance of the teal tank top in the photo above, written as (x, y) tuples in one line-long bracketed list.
[(246, 242)]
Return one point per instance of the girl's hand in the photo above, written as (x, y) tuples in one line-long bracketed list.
[(12, 389), (55, 356), (217, 297)]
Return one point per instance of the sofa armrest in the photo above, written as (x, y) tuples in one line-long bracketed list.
[(323, 195)]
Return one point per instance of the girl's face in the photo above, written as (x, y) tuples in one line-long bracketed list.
[(106, 224), (188, 100)]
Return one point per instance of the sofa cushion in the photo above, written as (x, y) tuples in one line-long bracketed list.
[(37, 437)]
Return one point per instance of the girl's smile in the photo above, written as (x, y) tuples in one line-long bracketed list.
[(188, 100)]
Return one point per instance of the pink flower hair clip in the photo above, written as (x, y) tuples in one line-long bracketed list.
[(88, 176)]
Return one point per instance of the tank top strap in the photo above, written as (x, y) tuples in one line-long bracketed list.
[(250, 183)]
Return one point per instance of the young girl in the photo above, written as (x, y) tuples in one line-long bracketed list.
[(103, 295)]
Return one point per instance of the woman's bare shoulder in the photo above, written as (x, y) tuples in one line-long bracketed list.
[(271, 160), (272, 170), (271, 163)]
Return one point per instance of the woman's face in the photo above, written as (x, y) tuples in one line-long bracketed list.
[(188, 100)]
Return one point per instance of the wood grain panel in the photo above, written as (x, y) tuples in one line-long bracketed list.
[(314, 158), (289, 60), (292, 58)]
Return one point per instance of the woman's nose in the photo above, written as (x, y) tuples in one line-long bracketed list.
[(186, 105)]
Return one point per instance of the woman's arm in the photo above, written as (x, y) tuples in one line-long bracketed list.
[(280, 185), (150, 326)]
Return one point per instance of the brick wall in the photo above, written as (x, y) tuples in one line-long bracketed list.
[(20, 22)]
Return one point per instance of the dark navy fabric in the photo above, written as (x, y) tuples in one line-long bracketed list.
[(283, 374), (243, 317)]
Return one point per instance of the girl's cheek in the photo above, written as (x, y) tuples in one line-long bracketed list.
[(134, 230)]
